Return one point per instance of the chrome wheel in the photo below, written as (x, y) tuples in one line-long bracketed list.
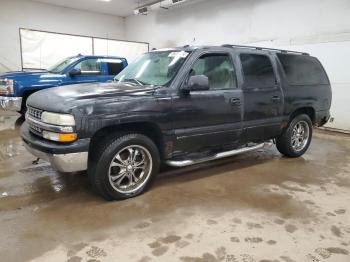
[(300, 136), (130, 169)]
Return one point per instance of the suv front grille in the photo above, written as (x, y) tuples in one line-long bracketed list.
[(36, 113), (35, 129)]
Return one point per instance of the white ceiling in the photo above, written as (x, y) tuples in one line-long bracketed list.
[(113, 7)]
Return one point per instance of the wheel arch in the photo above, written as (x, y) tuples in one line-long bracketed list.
[(308, 110), (25, 96), (149, 129)]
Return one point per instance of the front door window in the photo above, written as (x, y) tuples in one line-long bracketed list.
[(89, 67), (218, 68)]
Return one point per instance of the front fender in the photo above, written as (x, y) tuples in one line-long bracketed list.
[(24, 88)]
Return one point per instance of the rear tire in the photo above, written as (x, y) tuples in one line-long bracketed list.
[(123, 166), (296, 139)]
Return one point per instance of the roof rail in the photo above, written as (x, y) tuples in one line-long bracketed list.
[(264, 48)]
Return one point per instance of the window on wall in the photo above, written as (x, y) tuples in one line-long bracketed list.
[(89, 67), (303, 70), (218, 68), (258, 71)]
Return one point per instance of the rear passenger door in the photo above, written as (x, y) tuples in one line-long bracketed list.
[(263, 97), (112, 67)]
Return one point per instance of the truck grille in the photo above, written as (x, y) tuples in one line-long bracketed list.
[(35, 129), (36, 113)]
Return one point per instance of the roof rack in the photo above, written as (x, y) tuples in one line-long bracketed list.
[(265, 48)]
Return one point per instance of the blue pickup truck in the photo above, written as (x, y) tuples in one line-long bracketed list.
[(15, 87)]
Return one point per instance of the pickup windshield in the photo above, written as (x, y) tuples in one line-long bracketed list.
[(59, 67), (156, 68)]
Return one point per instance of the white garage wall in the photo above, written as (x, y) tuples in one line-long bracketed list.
[(129, 50), (241, 21), (320, 27), (15, 14)]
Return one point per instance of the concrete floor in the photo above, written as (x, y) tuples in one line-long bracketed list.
[(254, 207)]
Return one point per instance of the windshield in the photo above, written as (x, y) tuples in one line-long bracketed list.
[(59, 67), (155, 68)]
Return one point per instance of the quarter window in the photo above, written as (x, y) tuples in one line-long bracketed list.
[(89, 67), (303, 70), (258, 71), (218, 68)]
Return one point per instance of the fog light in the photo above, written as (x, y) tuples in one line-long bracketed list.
[(60, 137)]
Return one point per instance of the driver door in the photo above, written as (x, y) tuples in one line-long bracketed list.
[(91, 71), (213, 118)]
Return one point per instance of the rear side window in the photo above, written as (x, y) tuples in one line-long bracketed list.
[(303, 70), (114, 66), (258, 71)]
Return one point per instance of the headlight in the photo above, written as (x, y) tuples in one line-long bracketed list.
[(6, 86), (57, 119), (59, 137)]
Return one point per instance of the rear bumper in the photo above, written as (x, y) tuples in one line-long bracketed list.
[(10, 103), (65, 158), (322, 117)]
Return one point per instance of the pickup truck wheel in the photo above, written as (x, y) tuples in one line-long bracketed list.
[(296, 139), (124, 166)]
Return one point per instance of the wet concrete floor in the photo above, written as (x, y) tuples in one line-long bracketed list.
[(256, 207)]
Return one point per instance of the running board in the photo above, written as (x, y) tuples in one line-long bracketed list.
[(183, 163)]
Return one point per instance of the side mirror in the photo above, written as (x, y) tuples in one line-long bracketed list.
[(197, 83), (75, 72)]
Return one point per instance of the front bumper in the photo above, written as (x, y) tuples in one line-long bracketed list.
[(11, 103), (65, 163), (64, 158)]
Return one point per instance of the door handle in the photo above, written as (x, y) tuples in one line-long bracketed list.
[(235, 101), (275, 99)]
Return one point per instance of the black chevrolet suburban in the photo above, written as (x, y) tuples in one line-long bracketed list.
[(179, 106)]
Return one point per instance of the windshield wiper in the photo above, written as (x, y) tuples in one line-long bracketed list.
[(133, 80)]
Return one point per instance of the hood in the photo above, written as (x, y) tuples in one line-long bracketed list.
[(19, 74), (65, 98), (29, 79)]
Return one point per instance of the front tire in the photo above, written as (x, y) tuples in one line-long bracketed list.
[(124, 166), (296, 139)]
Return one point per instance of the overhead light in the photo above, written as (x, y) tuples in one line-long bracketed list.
[(164, 4), (141, 11), (106, 1), (178, 1)]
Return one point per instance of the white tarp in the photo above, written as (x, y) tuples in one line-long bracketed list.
[(129, 50), (40, 50)]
